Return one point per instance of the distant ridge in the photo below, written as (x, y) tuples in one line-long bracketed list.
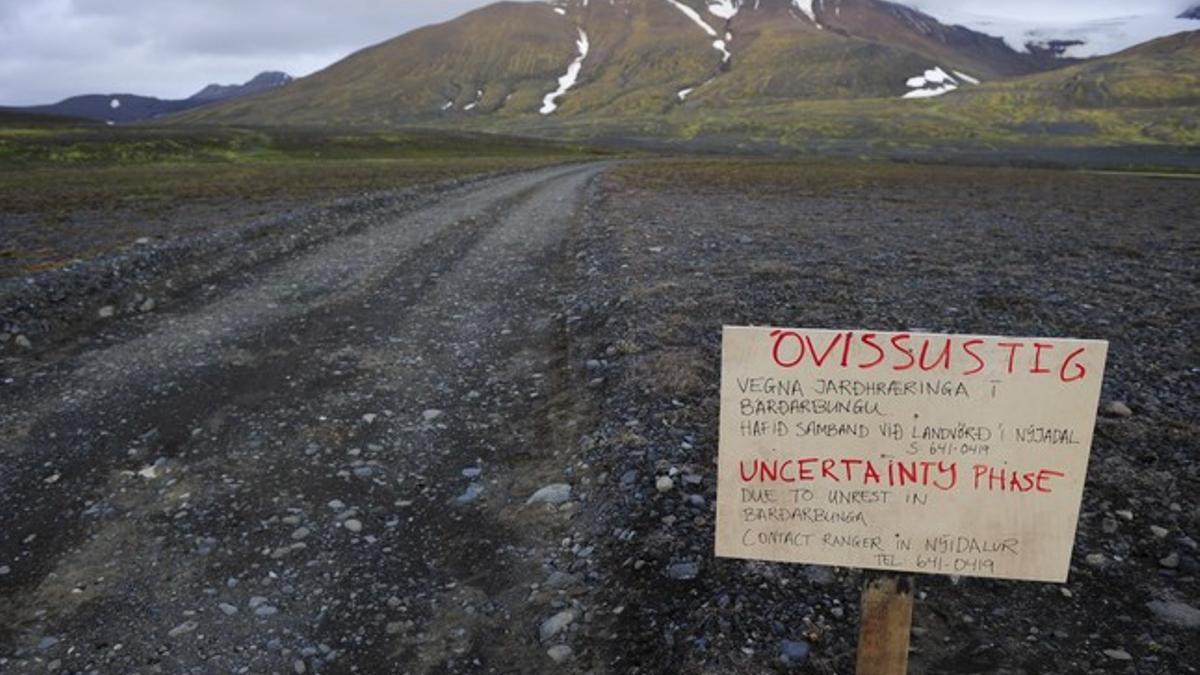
[(261, 82), (125, 108)]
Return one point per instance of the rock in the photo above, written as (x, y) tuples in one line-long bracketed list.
[(684, 570), (794, 652), (1125, 514), (370, 418), (1109, 526), (47, 642), (431, 414), (555, 494), (353, 524), (1118, 409), (664, 484), (5, 569), (559, 580), (299, 667), (556, 624), (183, 629), (820, 575), (227, 609), (263, 611), (23, 342), (1118, 655), (1159, 531), (301, 533), (257, 601), (1171, 561), (472, 472), (1096, 560), (1176, 613), (560, 653), (106, 312), (473, 492), (147, 305), (337, 504)]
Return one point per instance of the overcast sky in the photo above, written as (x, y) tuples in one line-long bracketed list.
[(51, 49)]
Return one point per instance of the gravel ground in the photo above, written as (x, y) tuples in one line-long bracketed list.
[(674, 251), (433, 441)]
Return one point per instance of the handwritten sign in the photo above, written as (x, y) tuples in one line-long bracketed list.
[(943, 454)]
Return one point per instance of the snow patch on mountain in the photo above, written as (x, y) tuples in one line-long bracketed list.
[(568, 80), (806, 6), (725, 9), (721, 45), (936, 82)]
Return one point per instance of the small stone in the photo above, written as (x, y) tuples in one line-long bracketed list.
[(1176, 613), (1096, 560), (684, 570), (560, 653), (474, 491), (1126, 515), (142, 241), (300, 533), (227, 609), (431, 414), (23, 342), (353, 524), (1118, 409), (147, 306), (664, 484), (1109, 526), (370, 418), (1159, 531), (257, 601), (4, 570), (106, 312), (555, 494), (1171, 561), (183, 629), (263, 611), (820, 575), (794, 651), (556, 624), (47, 643), (337, 504), (1118, 655), (299, 667)]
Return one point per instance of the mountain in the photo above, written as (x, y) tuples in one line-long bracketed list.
[(1191, 13), (260, 83), (125, 108), (637, 56), (768, 72)]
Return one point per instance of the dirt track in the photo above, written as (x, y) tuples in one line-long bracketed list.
[(306, 442)]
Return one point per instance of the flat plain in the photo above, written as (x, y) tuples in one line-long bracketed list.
[(312, 443)]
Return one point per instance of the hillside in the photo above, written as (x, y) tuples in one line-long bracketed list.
[(642, 56), (783, 72)]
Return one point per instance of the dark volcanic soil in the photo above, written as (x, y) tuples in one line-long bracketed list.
[(322, 464)]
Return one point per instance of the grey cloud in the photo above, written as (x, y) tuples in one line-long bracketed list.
[(50, 49)]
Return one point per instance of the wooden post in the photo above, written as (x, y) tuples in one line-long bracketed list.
[(887, 604)]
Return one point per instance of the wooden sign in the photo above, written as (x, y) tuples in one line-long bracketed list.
[(906, 452)]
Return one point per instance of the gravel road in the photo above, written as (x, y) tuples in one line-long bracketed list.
[(325, 466)]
